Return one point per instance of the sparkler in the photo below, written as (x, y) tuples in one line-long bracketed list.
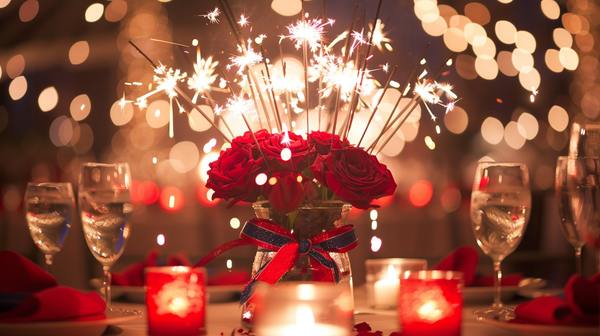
[(212, 15), (347, 75)]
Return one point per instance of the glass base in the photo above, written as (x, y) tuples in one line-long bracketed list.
[(496, 313)]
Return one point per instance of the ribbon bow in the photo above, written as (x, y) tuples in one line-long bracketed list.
[(267, 234)]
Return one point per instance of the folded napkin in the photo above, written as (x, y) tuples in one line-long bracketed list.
[(464, 259), (29, 294), (580, 306), (134, 274)]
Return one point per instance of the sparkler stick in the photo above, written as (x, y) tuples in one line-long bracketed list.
[(276, 111), (189, 101), (342, 67), (416, 103), (408, 80), (363, 68), (377, 106), (305, 63), (285, 92), (417, 99), (266, 82), (319, 103)]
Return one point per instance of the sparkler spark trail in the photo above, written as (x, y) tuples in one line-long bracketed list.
[(212, 15), (203, 75), (123, 102), (249, 59), (309, 31), (379, 36), (243, 22), (239, 106)]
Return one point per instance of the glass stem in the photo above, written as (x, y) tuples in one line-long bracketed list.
[(497, 282), (578, 260), (106, 283), (48, 264)]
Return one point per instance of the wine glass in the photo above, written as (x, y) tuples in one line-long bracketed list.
[(500, 210), (574, 200), (105, 208), (584, 140), (49, 210)]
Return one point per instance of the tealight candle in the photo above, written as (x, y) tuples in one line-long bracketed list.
[(305, 309), (430, 303), (176, 301), (383, 279)]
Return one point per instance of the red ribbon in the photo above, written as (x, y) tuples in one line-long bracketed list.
[(268, 235)]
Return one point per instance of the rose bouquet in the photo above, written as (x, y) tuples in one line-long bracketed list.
[(288, 170)]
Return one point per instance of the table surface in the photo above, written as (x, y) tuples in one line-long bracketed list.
[(224, 318)]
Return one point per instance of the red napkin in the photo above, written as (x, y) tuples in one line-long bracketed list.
[(464, 259), (580, 307), (134, 274), (47, 301)]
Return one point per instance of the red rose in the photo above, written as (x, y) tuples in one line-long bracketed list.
[(354, 175), (233, 174), (322, 141), (247, 138), (299, 147), (287, 192)]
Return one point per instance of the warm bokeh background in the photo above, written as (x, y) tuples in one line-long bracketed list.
[(524, 70)]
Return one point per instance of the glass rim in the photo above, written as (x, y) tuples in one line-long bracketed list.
[(434, 275), (502, 163), (99, 164), (50, 184), (395, 261), (173, 269), (567, 157)]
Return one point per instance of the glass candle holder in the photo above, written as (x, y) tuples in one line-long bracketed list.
[(430, 303), (176, 301), (305, 309), (383, 279)]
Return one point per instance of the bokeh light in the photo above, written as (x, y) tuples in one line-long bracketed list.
[(28, 10), (80, 107), (558, 118), (512, 135), (171, 199), (121, 115), (551, 9), (492, 130), (79, 52), (48, 99), (94, 12), (234, 223), (505, 31), (184, 156), (157, 113), (115, 10), (528, 126), (420, 193), (457, 120), (376, 244), (17, 88), (15, 66)]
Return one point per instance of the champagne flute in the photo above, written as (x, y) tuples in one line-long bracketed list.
[(49, 210), (500, 210), (105, 208), (572, 175)]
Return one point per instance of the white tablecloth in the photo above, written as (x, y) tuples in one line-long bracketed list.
[(223, 318)]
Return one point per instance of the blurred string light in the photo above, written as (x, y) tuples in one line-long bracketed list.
[(48, 99)]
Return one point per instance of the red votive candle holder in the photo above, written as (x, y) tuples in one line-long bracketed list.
[(430, 303), (176, 301)]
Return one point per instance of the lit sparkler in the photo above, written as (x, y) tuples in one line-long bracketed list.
[(243, 22), (203, 75), (212, 15), (379, 36), (310, 31), (248, 59)]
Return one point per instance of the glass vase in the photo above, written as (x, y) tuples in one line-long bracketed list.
[(307, 222)]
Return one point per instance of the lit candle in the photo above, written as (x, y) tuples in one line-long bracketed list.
[(382, 279), (431, 304), (175, 300), (305, 309), (386, 290), (305, 326)]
